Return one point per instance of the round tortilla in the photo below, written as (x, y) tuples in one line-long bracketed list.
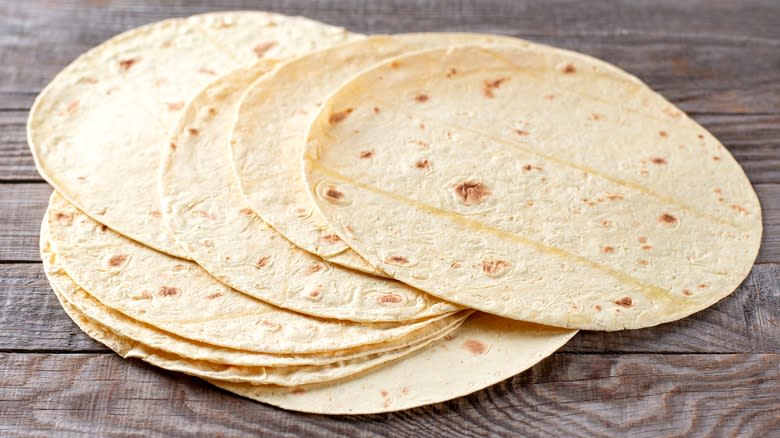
[(266, 156), (484, 351), (159, 340), (251, 375), (213, 222), (535, 184), (96, 130), (178, 297)]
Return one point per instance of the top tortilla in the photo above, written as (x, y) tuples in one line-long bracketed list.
[(533, 183), (96, 130)]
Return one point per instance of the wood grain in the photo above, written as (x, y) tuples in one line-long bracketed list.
[(566, 395)]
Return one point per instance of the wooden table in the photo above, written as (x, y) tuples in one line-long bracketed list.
[(715, 372)]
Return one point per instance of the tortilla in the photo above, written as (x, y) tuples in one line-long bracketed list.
[(484, 351), (266, 156), (178, 297), (96, 130), (535, 184), (212, 221), (156, 339), (257, 375)]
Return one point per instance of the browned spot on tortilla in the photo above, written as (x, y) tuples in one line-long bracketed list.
[(212, 111), (175, 106), (246, 211), (647, 247), (643, 239), (214, 296), (314, 293), (667, 219), (422, 164), (644, 172), (740, 209), (168, 291), (643, 262), (117, 260), (261, 48), (179, 267), (520, 132), (314, 267), (421, 126), (613, 196), (144, 295), (397, 260), (262, 261), (717, 190), (207, 71), (298, 391), (550, 96), (658, 160), (624, 302), (193, 131), (376, 110), (597, 307), (703, 286), (474, 346), (366, 154), (203, 214), (421, 143), (63, 218), (126, 64), (596, 116), (166, 44), (454, 265), (671, 111), (569, 68), (606, 223), (103, 227), (405, 390), (716, 158), (530, 167), (471, 192), (687, 292), (339, 116), (451, 72), (173, 146), (334, 194), (663, 134), (389, 299), (72, 107), (449, 337), (488, 86), (331, 238), (395, 64), (491, 266), (421, 98), (607, 249)]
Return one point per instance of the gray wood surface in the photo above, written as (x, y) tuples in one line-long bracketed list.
[(714, 373)]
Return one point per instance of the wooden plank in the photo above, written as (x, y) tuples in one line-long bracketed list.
[(709, 57), (566, 395), (754, 140), (24, 205), (747, 321)]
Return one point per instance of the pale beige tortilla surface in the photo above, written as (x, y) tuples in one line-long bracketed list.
[(270, 130), (96, 130), (178, 297), (249, 375), (159, 340), (484, 351), (213, 222), (533, 183)]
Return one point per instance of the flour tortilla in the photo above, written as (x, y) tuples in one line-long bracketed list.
[(96, 130), (212, 221), (266, 155), (484, 351), (178, 297), (157, 339), (533, 183), (257, 375)]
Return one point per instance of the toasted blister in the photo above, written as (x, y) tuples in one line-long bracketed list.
[(532, 183), (266, 156), (95, 131), (213, 222), (180, 298), (485, 350)]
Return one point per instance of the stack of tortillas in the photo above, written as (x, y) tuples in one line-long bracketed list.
[(335, 223)]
